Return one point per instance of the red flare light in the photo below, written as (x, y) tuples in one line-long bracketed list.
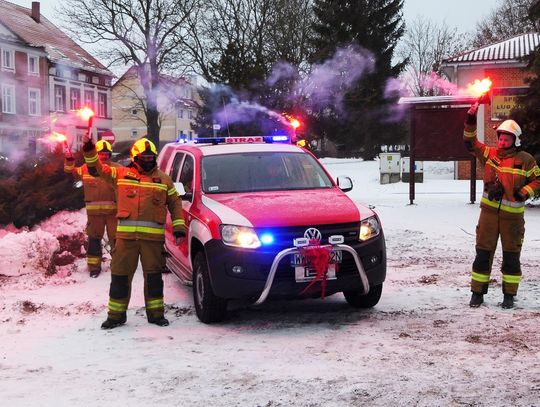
[(58, 137), (295, 123), (85, 113), (479, 87)]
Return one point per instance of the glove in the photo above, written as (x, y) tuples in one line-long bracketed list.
[(494, 190), (520, 197), (471, 114), (179, 236)]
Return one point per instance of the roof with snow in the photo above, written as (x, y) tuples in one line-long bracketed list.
[(510, 50), (43, 34)]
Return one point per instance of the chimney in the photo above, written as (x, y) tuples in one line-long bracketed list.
[(35, 11)]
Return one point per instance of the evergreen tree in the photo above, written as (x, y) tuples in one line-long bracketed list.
[(35, 189), (376, 25)]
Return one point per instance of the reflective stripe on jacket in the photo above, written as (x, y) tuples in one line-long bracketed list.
[(142, 199), (99, 195), (517, 171)]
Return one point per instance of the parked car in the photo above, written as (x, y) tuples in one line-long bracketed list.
[(253, 208)]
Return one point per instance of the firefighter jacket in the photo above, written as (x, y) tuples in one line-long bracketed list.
[(99, 196), (143, 199), (515, 170)]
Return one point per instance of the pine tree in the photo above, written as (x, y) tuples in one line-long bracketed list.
[(375, 25), (35, 189)]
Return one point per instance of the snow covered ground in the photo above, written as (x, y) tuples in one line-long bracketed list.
[(420, 346)]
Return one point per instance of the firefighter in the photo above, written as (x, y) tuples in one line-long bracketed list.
[(144, 194), (511, 177), (100, 202)]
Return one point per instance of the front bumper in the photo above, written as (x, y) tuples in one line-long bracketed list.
[(253, 282)]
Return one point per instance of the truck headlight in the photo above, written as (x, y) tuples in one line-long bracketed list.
[(369, 228), (240, 236)]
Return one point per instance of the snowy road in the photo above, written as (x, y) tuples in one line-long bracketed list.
[(420, 346)]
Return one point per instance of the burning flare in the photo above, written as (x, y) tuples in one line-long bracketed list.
[(295, 123), (85, 113), (57, 137), (479, 87)]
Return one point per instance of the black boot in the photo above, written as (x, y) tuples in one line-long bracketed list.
[(160, 321), (508, 301), (113, 323), (476, 300)]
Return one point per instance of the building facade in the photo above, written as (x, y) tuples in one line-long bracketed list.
[(177, 100), (504, 64), (45, 78)]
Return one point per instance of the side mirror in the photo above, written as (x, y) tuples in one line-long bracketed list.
[(344, 183)]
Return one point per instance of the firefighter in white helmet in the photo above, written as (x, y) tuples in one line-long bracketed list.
[(144, 195), (511, 176), (100, 202)]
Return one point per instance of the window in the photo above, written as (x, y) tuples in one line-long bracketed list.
[(134, 112), (102, 104), (59, 98), (190, 114), (34, 102), (186, 176), (89, 99), (75, 99), (175, 169), (134, 133), (33, 64), (180, 114), (8, 59), (8, 99)]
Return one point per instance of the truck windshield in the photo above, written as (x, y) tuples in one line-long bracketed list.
[(273, 171)]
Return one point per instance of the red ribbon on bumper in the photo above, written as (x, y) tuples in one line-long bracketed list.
[(317, 257)]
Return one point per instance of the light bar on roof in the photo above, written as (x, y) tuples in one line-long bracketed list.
[(242, 140)]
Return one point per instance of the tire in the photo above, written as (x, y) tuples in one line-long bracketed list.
[(369, 300), (208, 307)]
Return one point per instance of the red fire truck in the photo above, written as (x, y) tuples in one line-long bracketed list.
[(261, 213)]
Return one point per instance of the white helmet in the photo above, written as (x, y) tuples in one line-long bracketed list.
[(510, 126)]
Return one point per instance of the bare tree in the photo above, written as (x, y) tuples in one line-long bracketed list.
[(425, 44), (147, 34), (250, 35), (507, 19)]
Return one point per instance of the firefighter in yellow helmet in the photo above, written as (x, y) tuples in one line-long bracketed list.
[(511, 177), (100, 202), (144, 195)]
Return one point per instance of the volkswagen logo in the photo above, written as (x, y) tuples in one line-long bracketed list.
[(313, 233)]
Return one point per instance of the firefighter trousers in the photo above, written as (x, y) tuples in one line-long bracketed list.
[(125, 260), (511, 229), (95, 229)]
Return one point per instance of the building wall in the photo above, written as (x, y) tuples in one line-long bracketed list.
[(72, 89), (177, 108), (512, 77), (23, 124)]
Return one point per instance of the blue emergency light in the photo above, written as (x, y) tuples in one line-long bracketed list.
[(267, 238)]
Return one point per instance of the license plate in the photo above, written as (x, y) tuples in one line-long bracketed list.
[(303, 274), (336, 256)]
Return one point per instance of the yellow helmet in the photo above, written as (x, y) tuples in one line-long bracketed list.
[(301, 143), (103, 146), (141, 146)]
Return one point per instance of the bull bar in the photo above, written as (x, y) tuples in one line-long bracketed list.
[(294, 250)]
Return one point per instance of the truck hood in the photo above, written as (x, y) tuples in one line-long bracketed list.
[(285, 208)]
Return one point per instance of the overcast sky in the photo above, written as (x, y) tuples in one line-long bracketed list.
[(457, 13)]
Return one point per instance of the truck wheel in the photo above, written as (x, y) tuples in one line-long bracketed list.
[(208, 307), (357, 300)]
